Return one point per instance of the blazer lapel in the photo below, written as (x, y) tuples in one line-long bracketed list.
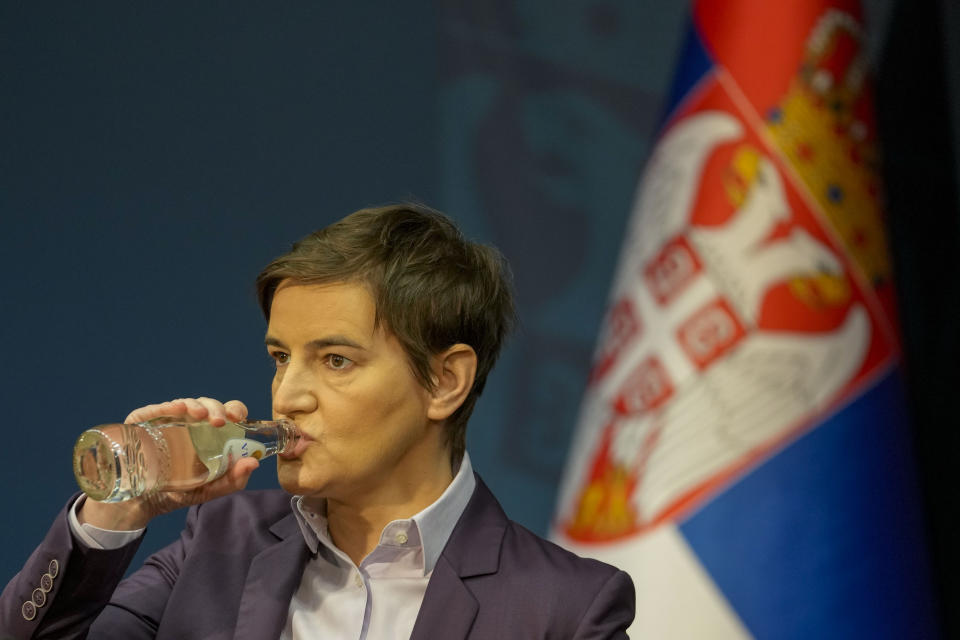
[(274, 575), (449, 607)]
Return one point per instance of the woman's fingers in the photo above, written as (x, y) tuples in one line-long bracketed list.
[(202, 408), (171, 408), (236, 410)]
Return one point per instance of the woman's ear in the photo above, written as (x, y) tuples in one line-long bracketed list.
[(454, 370)]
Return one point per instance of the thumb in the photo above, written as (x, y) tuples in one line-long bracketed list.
[(239, 474)]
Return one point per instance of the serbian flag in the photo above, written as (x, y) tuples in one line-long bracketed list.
[(743, 448)]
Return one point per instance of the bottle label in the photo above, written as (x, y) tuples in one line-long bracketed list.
[(237, 448)]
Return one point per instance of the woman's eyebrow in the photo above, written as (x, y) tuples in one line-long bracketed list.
[(319, 343)]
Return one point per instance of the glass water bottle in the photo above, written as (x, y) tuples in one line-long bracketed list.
[(116, 462)]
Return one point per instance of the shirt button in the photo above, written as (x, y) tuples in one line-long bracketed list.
[(357, 580), (400, 538)]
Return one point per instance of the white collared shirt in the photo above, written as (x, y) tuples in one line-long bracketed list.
[(381, 597)]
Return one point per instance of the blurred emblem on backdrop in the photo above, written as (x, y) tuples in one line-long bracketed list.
[(540, 148)]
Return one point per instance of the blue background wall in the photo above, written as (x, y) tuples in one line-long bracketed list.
[(154, 156)]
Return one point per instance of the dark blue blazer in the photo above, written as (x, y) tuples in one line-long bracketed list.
[(239, 560)]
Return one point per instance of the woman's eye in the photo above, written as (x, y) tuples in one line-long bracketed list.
[(336, 361)]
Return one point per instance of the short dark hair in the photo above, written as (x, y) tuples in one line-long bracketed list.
[(432, 287)]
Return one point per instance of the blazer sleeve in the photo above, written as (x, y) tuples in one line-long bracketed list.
[(138, 603), (611, 612), (63, 586)]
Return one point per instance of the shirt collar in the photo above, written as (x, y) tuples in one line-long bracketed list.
[(433, 525)]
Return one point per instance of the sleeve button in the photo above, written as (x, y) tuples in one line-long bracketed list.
[(46, 582), (54, 568), (39, 597), (28, 611)]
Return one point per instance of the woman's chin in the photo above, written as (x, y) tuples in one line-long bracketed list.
[(288, 474), (295, 479)]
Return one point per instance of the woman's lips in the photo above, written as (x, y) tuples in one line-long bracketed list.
[(299, 446)]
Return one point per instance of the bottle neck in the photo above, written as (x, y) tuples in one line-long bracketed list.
[(271, 436)]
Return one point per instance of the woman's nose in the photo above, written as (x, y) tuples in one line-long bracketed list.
[(293, 392)]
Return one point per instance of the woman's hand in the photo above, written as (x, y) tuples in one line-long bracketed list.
[(136, 513)]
